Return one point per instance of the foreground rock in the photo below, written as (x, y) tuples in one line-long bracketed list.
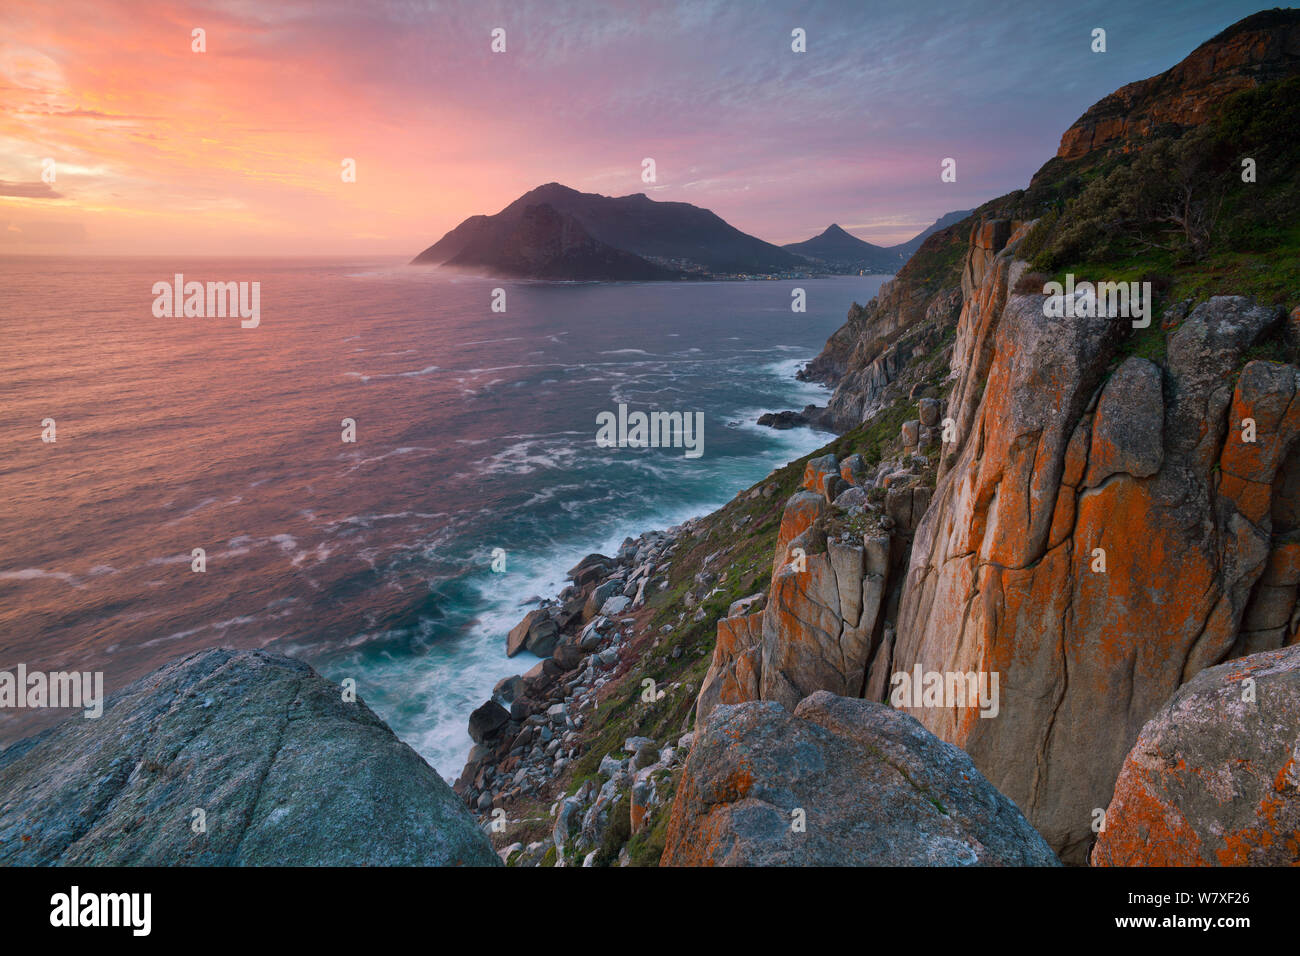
[(1214, 779), (285, 772), (875, 788)]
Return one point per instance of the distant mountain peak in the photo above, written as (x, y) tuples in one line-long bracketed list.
[(543, 192), (839, 250)]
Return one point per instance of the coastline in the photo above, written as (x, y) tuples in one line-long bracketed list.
[(579, 641)]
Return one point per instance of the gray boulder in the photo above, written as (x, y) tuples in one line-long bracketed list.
[(840, 782), (537, 633), (851, 497), (928, 409), (1214, 778), (285, 771)]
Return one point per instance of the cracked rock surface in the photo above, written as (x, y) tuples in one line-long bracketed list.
[(285, 771), (840, 782)]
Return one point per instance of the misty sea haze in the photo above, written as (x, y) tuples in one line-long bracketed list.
[(475, 431)]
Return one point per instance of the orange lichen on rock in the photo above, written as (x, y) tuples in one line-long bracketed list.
[(1213, 778)]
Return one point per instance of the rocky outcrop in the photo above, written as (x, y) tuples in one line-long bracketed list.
[(820, 625), (1260, 48), (823, 626), (871, 350), (839, 782), (227, 758), (1095, 539), (735, 672), (1214, 778)]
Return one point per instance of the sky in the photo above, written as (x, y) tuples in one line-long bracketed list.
[(239, 149)]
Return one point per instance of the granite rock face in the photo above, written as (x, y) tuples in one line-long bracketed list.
[(1096, 538), (734, 674), (1214, 778), (285, 771), (874, 788), (821, 621)]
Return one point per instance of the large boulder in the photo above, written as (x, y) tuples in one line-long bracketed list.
[(591, 568), (537, 633), (598, 596), (1214, 778), (486, 721), (286, 772), (839, 782)]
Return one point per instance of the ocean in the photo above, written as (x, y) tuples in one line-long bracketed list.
[(475, 431)]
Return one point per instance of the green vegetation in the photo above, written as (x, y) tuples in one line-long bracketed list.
[(882, 431), (1148, 343), (937, 264), (1180, 214), (617, 833)]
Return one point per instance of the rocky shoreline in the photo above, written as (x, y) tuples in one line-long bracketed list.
[(527, 732), (532, 727)]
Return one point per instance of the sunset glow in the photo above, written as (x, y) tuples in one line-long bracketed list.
[(237, 149)]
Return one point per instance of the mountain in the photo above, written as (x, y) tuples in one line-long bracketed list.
[(1259, 49), (839, 251), (843, 252), (676, 238), (545, 243), (907, 249)]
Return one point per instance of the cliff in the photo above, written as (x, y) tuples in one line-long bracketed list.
[(911, 318), (1262, 48)]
